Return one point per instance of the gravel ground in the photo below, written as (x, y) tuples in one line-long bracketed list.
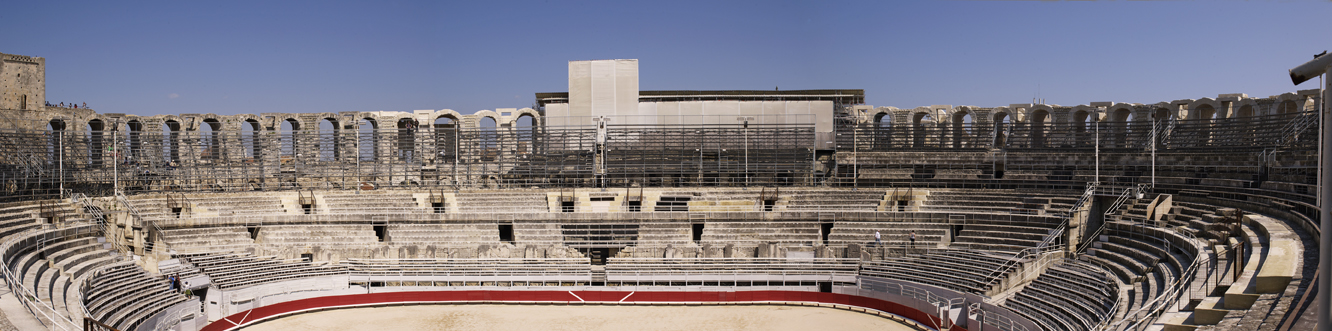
[(524, 317)]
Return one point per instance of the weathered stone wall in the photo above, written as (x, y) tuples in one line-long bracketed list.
[(22, 82)]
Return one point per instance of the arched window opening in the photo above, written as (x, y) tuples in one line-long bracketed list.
[(171, 141), (290, 141), (446, 138), (1080, 121), (96, 145), (1001, 122), (406, 138), (328, 140), (1245, 111), (919, 125), (488, 139), (883, 131), (55, 146), (135, 141), (250, 139), (1039, 127), (526, 134), (210, 140), (1123, 119), (1206, 112), (1288, 108), (369, 144), (962, 129)]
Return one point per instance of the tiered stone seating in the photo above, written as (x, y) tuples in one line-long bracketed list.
[(1068, 296), (976, 200), (47, 268), (723, 200), (19, 217), (662, 233), (317, 235), (208, 239), (1009, 233), (126, 295), (893, 232), (839, 200), (471, 272), (503, 202), (444, 233), (537, 233), (959, 270), (753, 232), (727, 271), (367, 203), (236, 204), (1272, 257), (241, 270)]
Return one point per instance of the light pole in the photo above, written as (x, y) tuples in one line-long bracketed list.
[(1321, 65), (746, 120)]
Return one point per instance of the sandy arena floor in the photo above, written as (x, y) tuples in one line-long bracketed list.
[(527, 318)]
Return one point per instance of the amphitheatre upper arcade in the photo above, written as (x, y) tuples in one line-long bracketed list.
[(1177, 215)]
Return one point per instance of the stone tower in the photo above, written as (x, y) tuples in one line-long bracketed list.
[(22, 82)]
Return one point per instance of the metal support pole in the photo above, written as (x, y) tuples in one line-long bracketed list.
[(1325, 213), (115, 159), (62, 160)]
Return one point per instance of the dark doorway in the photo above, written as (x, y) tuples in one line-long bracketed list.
[(698, 232), (599, 255), (825, 229), (506, 233), (381, 231)]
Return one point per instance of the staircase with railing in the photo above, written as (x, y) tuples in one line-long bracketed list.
[(1290, 133)]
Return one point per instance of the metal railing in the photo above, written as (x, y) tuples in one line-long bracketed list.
[(1144, 316)]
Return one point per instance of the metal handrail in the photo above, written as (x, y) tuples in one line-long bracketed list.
[(1158, 305)]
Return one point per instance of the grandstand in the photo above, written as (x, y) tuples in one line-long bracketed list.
[(1191, 214)]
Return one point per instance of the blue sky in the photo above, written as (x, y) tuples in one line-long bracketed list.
[(286, 56)]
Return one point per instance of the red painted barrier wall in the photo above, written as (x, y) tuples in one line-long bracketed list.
[(558, 297)]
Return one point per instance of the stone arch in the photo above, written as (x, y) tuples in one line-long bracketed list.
[(134, 130), (1206, 109), (171, 140), (487, 137), (407, 129), (210, 139), (329, 139), (524, 128), (1121, 120), (1039, 119), (96, 141), (964, 122), (447, 129), (883, 128), (921, 121), (367, 130), (55, 146), (1245, 110), (1002, 120), (289, 132), (250, 143)]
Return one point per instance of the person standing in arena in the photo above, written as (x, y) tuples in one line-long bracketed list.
[(877, 239), (913, 239)]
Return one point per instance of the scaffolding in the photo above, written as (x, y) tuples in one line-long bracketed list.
[(706, 152)]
